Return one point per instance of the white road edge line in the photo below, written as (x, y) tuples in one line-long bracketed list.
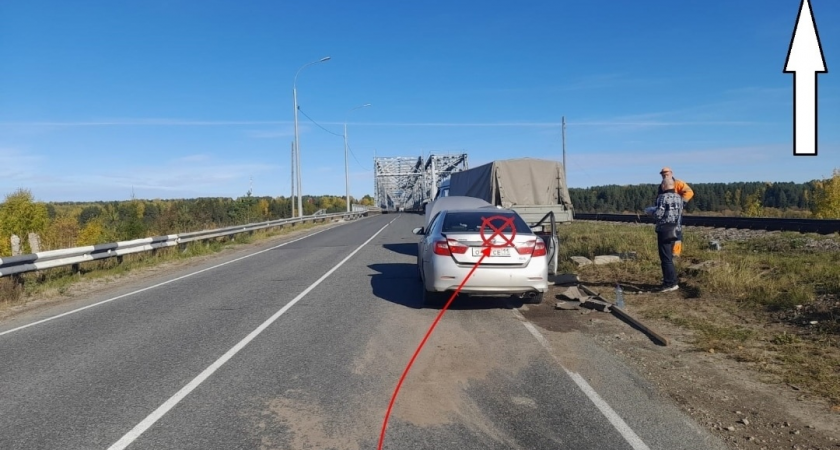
[(159, 284), (138, 430), (620, 425)]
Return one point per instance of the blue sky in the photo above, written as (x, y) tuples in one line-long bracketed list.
[(182, 99)]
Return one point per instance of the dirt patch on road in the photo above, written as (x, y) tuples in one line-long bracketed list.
[(746, 407), (456, 355), (305, 425)]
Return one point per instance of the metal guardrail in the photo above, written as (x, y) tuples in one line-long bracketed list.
[(12, 265), (820, 226)]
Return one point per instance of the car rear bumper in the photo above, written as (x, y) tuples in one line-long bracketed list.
[(489, 280)]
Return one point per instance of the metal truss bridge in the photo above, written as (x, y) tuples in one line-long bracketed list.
[(404, 183)]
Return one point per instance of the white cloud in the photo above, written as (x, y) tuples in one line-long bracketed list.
[(142, 122), (187, 176)]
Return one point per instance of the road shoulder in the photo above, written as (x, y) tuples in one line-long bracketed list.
[(731, 402)]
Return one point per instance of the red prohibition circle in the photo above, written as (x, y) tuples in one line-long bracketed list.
[(507, 222)]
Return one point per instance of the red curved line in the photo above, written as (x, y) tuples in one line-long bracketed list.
[(420, 347)]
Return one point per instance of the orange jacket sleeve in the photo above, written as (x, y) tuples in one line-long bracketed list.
[(683, 189)]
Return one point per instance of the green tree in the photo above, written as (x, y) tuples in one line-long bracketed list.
[(21, 215), (827, 197), (89, 213), (92, 233), (753, 206), (62, 232)]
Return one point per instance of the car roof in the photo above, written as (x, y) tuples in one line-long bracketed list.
[(453, 202), (483, 210)]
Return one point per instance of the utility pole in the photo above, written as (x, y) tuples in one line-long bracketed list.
[(292, 196), (297, 138), (564, 149)]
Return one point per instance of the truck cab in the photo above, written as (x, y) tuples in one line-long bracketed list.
[(443, 190)]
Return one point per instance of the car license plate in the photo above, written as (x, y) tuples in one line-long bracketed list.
[(493, 251)]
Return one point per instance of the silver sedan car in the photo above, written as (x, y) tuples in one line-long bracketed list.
[(453, 242)]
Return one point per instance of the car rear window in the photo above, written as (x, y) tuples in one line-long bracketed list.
[(470, 222)]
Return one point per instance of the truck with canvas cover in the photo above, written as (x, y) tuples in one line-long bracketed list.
[(534, 188)]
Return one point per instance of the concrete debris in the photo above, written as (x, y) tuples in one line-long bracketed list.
[(566, 278), (606, 259), (598, 305), (573, 293), (567, 306), (581, 260)]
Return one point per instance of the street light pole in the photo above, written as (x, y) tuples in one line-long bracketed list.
[(346, 161), (294, 182), (297, 140)]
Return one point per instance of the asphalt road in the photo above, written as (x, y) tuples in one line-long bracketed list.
[(300, 346)]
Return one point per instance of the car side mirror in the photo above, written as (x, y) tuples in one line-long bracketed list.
[(418, 230)]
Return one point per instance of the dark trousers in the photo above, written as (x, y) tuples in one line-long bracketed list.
[(666, 258)]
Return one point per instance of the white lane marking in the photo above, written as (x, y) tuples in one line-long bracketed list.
[(159, 284), (620, 425), (135, 432)]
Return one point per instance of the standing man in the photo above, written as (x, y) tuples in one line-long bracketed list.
[(683, 190), (667, 212)]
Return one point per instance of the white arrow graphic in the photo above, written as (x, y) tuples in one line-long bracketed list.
[(805, 60)]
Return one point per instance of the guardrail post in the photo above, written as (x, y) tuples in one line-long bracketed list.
[(119, 259), (15, 240), (75, 269)]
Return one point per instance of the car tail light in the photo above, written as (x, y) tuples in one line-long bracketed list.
[(449, 246), (533, 248), (442, 248), (457, 247), (526, 249), (539, 249)]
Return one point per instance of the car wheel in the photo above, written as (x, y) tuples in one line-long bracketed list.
[(537, 299)]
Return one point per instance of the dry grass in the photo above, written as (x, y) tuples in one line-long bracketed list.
[(758, 301)]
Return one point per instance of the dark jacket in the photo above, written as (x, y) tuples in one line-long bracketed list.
[(669, 207)]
